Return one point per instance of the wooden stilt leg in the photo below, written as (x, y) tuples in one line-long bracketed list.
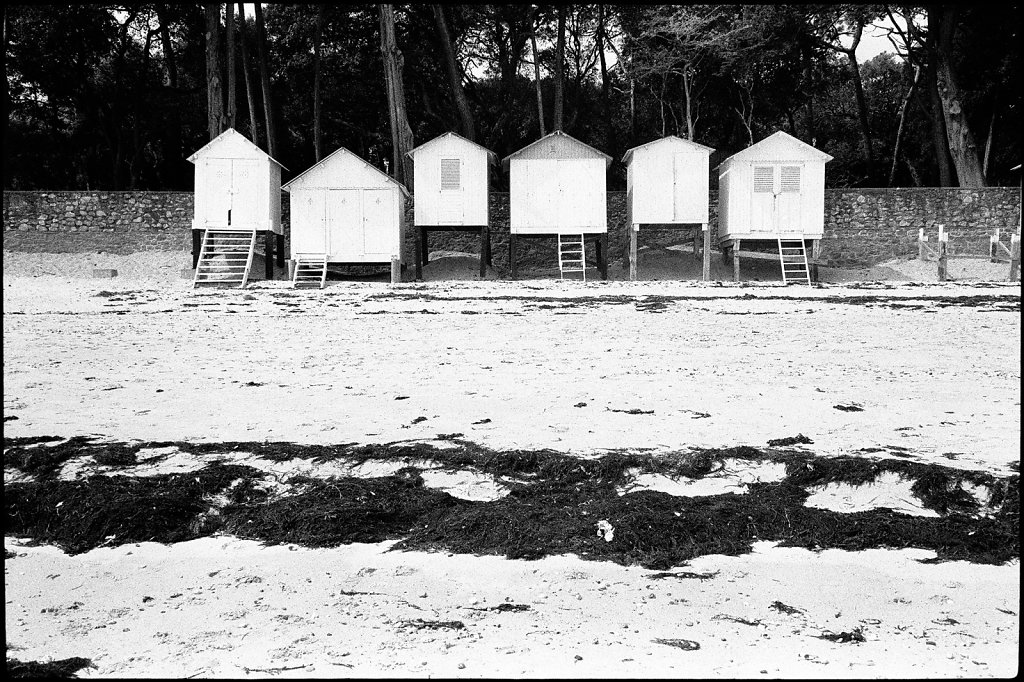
[(633, 235), (602, 255), (197, 244), (396, 270), (417, 237), (280, 250), (487, 238), (268, 254), (706, 269), (1014, 258), (815, 256), (483, 252), (736, 260), (512, 256), (426, 248)]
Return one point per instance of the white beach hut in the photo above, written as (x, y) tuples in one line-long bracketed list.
[(557, 189), (773, 191), (667, 187), (237, 192), (345, 212), (451, 186)]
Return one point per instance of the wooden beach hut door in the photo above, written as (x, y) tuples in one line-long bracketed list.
[(379, 225), (344, 220), (776, 200), (688, 186), (309, 222), (232, 193), (452, 210), (789, 199)]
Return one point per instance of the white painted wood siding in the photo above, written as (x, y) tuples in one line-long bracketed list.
[(234, 177), (557, 196), (347, 209), (436, 205), (669, 183), (795, 204)]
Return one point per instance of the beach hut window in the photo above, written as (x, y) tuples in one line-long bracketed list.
[(764, 178), (450, 174), (791, 178)]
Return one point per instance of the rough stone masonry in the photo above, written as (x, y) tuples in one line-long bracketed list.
[(862, 226)]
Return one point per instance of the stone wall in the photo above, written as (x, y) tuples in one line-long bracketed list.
[(114, 222), (867, 226), (862, 226)]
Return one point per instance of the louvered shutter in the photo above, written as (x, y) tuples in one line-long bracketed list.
[(451, 174), (791, 178), (764, 177)]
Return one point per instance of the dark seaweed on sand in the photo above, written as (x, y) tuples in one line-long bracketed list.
[(65, 668), (553, 507), (81, 515)]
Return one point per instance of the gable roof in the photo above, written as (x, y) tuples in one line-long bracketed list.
[(355, 156), (492, 157), (629, 152), (779, 137), (558, 134), (229, 134)]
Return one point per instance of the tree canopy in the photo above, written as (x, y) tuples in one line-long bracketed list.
[(116, 96)]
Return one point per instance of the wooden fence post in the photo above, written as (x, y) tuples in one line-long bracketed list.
[(1014, 257), (942, 253), (993, 245), (921, 239)]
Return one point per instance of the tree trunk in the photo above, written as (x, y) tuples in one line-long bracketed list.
[(687, 87), (862, 114), (454, 74), (229, 25), (250, 90), (317, 113), (609, 129), (940, 143), (214, 91), (268, 111), (536, 81), (3, 74), (899, 128), (401, 132), (556, 124), (173, 161), (810, 125), (962, 146), (988, 138)]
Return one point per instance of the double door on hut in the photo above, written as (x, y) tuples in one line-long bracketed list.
[(234, 203), (776, 201), (349, 225)]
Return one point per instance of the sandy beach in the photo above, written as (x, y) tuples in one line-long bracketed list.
[(881, 368)]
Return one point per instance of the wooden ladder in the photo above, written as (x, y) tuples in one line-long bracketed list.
[(225, 257), (310, 268), (571, 255), (793, 258)]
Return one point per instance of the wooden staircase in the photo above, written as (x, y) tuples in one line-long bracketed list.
[(793, 258), (571, 255), (225, 257), (310, 269)]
